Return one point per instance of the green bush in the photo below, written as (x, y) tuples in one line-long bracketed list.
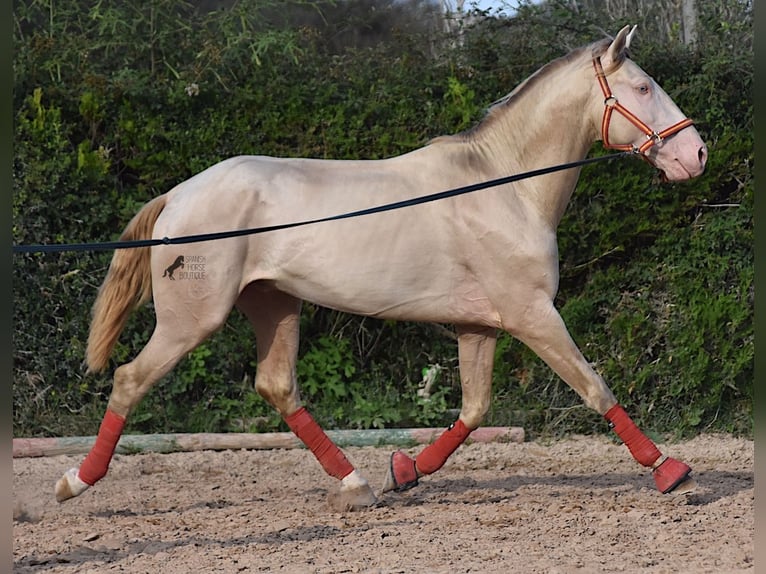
[(115, 103)]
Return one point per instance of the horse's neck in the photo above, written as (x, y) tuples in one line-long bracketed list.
[(540, 126)]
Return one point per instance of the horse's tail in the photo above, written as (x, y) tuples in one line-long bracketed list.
[(128, 284)]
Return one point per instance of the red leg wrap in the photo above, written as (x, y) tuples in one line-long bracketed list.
[(642, 449), (329, 456), (433, 457), (94, 467)]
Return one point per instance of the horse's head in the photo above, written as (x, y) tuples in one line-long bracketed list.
[(636, 113)]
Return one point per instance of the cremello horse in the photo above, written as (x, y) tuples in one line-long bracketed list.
[(483, 261)]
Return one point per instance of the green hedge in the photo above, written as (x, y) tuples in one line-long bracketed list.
[(115, 103)]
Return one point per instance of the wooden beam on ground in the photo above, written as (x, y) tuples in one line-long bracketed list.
[(164, 443)]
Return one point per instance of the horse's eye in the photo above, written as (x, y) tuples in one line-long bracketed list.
[(643, 89)]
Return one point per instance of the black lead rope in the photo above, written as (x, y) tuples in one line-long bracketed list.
[(111, 245)]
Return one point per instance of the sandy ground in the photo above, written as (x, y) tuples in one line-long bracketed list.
[(574, 506)]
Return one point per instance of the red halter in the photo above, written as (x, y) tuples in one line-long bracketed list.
[(611, 104)]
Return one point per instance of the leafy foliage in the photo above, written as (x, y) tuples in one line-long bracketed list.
[(115, 103)]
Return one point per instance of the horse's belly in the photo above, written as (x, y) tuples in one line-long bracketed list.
[(385, 294)]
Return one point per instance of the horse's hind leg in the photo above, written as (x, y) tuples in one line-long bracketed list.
[(546, 334), (275, 317), (178, 331), (476, 350)]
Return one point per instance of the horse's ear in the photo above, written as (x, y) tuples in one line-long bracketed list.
[(616, 52), (630, 35)]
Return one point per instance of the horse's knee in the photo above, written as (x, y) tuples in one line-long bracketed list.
[(598, 397), (282, 395), (591, 387), (476, 351), (472, 415)]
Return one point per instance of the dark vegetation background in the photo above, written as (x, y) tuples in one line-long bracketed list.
[(116, 102)]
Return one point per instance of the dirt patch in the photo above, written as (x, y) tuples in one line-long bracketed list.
[(575, 506)]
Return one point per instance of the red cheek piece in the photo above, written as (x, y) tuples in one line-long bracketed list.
[(311, 434), (95, 465), (642, 449), (436, 454)]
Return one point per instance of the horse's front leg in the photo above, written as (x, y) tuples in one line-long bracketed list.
[(543, 330), (476, 351), (275, 317)]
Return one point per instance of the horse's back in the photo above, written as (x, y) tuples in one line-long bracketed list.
[(286, 183), (402, 263)]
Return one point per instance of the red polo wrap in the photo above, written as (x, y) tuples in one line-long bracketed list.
[(95, 465), (640, 446), (329, 456), (433, 457)]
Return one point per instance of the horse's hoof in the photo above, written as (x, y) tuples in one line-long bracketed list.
[(686, 486), (673, 476), (355, 498), (402, 474), (69, 486)]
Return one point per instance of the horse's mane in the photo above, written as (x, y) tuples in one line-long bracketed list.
[(503, 104)]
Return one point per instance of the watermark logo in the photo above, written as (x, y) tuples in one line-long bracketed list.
[(187, 268), (179, 262)]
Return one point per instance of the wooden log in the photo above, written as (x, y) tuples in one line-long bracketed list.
[(164, 443)]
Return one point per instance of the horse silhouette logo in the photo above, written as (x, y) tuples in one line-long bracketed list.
[(179, 262)]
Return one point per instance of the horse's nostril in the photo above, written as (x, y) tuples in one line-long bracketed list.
[(702, 155)]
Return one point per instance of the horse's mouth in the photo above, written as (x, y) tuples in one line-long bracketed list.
[(679, 175), (682, 174)]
